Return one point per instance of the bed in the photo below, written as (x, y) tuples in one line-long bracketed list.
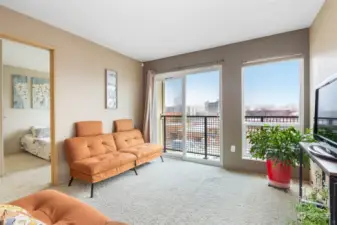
[(37, 146)]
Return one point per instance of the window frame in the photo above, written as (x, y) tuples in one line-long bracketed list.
[(244, 124)]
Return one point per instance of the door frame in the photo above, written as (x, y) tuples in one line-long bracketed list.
[(182, 74), (53, 155)]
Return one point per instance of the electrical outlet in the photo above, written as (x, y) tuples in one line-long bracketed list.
[(233, 148)]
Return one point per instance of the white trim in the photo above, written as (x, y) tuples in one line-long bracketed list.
[(301, 115), (195, 160), (182, 73), (221, 116), (326, 81), (2, 152), (271, 60), (243, 126), (183, 121), (203, 161)]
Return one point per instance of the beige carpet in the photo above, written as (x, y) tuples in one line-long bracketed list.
[(24, 174), (177, 192)]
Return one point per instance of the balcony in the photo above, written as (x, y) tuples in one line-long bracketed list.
[(257, 122), (203, 133)]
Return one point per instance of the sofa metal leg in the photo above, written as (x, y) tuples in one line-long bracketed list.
[(162, 158), (134, 169), (92, 190), (70, 181)]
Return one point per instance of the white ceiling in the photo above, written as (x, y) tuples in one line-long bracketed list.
[(152, 29), (25, 56)]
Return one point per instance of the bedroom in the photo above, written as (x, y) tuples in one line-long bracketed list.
[(26, 116)]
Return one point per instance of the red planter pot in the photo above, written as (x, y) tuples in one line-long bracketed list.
[(279, 175)]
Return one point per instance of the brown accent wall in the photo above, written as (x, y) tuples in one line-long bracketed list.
[(234, 56), (79, 78), (323, 51)]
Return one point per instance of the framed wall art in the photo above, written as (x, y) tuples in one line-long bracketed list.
[(111, 89), (40, 93), (20, 91)]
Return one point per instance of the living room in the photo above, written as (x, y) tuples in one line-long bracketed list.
[(206, 176)]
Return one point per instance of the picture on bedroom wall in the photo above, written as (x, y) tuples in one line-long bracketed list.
[(20, 91), (111, 89), (40, 93)]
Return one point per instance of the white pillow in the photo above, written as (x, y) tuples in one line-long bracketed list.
[(40, 131)]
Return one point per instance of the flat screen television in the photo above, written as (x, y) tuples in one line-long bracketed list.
[(325, 124)]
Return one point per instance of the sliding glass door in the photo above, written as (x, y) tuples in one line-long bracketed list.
[(173, 116), (191, 118)]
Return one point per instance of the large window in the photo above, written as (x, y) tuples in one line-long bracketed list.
[(271, 95)]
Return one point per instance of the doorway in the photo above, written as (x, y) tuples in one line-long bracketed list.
[(189, 105), (27, 140)]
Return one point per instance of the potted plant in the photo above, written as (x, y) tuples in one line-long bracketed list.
[(280, 147)]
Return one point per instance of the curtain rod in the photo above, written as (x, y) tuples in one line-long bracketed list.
[(194, 66)]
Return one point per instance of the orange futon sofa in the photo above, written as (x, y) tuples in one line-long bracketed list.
[(93, 156), (53, 207)]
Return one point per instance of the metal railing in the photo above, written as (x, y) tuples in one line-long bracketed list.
[(252, 123), (203, 132)]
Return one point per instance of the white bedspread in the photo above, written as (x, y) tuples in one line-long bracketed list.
[(36, 146)]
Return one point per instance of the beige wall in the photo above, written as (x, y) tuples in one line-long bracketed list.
[(18, 121), (233, 57), (79, 78), (323, 50), (323, 46)]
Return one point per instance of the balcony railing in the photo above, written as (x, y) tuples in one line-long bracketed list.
[(203, 132), (257, 122)]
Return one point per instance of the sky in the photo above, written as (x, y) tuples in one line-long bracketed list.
[(201, 87), (276, 84)]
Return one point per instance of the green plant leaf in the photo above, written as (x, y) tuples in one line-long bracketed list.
[(279, 144)]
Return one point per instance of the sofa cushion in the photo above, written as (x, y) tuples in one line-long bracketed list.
[(123, 125), (88, 128), (101, 163), (53, 207), (93, 178), (79, 148), (128, 139), (143, 150)]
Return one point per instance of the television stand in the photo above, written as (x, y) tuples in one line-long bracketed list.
[(329, 168)]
